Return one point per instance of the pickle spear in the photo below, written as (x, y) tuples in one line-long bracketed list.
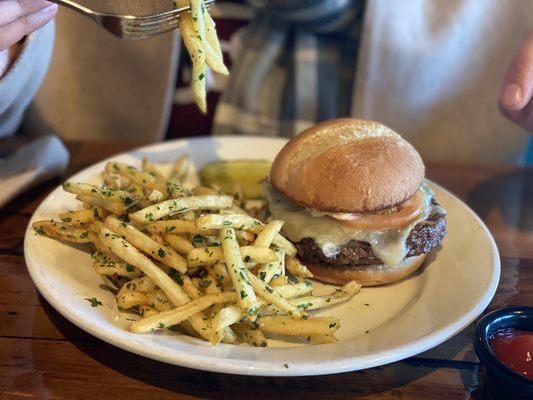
[(229, 175)]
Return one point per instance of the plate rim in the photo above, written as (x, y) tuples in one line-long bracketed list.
[(267, 368)]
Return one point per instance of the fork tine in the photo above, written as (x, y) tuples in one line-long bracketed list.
[(164, 20), (139, 28), (174, 13), (152, 31), (158, 17)]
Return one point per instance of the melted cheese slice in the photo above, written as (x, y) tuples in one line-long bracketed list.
[(331, 235)]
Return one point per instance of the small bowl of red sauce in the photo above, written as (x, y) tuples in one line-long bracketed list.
[(503, 342)]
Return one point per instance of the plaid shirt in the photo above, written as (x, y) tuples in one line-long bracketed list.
[(295, 67), (292, 66)]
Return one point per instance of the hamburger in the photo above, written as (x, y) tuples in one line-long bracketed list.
[(354, 202)]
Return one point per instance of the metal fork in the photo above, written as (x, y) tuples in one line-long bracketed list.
[(130, 26)]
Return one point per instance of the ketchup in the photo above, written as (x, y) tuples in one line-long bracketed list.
[(514, 347)]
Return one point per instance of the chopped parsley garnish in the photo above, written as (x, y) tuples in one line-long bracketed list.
[(243, 294), (94, 302), (176, 275), (161, 253), (198, 239)]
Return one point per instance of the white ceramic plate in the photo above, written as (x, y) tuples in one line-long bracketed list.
[(380, 325)]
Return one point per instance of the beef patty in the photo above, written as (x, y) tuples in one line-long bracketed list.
[(425, 236)]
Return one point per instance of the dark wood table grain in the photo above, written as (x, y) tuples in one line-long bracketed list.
[(43, 356)]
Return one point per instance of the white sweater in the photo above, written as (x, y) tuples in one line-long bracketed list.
[(432, 69)]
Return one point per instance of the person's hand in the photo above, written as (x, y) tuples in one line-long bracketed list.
[(19, 18), (516, 101)]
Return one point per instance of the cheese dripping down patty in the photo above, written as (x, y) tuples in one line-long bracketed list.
[(331, 235)]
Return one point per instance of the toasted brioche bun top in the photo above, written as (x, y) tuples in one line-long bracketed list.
[(348, 165)]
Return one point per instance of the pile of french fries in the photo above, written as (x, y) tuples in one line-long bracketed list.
[(193, 259), (200, 38)]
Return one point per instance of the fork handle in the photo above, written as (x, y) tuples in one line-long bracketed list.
[(76, 7)]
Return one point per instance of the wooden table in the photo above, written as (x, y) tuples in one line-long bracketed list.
[(43, 356)]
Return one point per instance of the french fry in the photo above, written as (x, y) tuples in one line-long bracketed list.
[(219, 221), (102, 193), (180, 169), (290, 291), (321, 339), (280, 324), (296, 268), (267, 234), (147, 311), (178, 226), (128, 299), (158, 300), (197, 54), (175, 189), (137, 191), (144, 284), (178, 243), (181, 205), (179, 314), (239, 273), (284, 244), (250, 334), (212, 57), (211, 35), (221, 274), (271, 270), (95, 227), (209, 284), (244, 237), (64, 232), (156, 196), (135, 176), (279, 281), (158, 238), (80, 217), (111, 206), (149, 167), (115, 181), (108, 264), (339, 296), (134, 294), (145, 243), (210, 255), (191, 289), (228, 336), (226, 317), (267, 293)]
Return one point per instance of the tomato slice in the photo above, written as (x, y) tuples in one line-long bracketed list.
[(404, 214)]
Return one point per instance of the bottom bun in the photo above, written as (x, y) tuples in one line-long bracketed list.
[(367, 275)]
